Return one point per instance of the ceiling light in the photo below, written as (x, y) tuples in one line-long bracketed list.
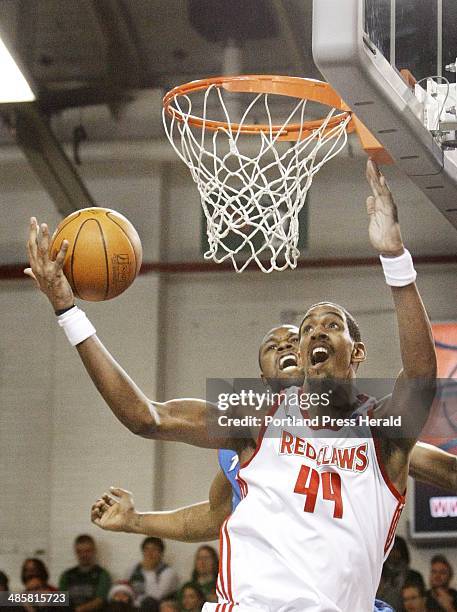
[(13, 84)]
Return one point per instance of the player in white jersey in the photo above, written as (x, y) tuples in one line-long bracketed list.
[(278, 355), (328, 353)]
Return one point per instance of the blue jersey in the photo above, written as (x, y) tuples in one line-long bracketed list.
[(230, 465), (380, 606)]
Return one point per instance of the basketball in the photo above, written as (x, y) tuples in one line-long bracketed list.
[(104, 256)]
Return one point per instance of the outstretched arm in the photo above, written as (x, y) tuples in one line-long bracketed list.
[(416, 340), (434, 466), (415, 386), (196, 523), (183, 420)]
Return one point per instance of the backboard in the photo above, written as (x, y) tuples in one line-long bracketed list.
[(413, 34), (360, 46)]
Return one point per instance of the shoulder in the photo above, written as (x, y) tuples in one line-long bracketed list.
[(71, 571), (228, 459), (134, 570), (167, 570)]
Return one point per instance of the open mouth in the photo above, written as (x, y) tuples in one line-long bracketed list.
[(288, 361), (319, 355)]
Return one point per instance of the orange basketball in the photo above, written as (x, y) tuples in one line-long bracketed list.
[(104, 256)]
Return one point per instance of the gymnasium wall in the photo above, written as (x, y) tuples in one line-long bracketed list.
[(60, 447)]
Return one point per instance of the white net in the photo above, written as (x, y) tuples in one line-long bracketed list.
[(252, 185)]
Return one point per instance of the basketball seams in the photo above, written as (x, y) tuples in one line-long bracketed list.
[(63, 224), (113, 219), (104, 250), (112, 272)]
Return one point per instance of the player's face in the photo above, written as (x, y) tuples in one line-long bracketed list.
[(279, 357), (326, 347), (439, 575), (412, 600)]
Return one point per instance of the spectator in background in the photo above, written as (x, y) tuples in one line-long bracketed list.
[(204, 575), (35, 568), (36, 584), (440, 596), (192, 598), (87, 583), (120, 598), (169, 605), (152, 578), (5, 586), (4, 582), (414, 598), (396, 573)]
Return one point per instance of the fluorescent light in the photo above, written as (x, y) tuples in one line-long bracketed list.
[(13, 85)]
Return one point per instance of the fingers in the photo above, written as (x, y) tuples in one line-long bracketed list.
[(100, 507), (95, 512), (376, 179), (32, 241), (60, 257), (373, 176), (38, 242), (371, 205), (28, 272), (118, 492), (109, 501), (43, 241)]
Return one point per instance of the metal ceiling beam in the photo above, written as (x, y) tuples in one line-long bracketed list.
[(290, 38), (49, 162), (54, 101), (124, 58)]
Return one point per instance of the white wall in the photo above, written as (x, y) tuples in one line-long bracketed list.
[(59, 445)]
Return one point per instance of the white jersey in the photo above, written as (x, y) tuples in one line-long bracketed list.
[(316, 520)]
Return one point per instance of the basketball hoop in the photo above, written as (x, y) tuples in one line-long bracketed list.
[(253, 174)]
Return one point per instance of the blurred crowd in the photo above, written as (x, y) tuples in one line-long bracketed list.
[(149, 585), (153, 585), (406, 590)]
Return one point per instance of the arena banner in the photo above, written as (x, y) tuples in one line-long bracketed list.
[(433, 512)]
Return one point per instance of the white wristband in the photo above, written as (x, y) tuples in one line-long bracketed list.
[(76, 325), (399, 271)]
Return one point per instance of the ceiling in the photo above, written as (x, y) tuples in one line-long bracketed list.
[(105, 64), (83, 52)]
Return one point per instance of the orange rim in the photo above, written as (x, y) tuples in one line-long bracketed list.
[(294, 87)]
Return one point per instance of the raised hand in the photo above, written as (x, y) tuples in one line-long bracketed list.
[(384, 228), (46, 272), (114, 511), (445, 599)]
